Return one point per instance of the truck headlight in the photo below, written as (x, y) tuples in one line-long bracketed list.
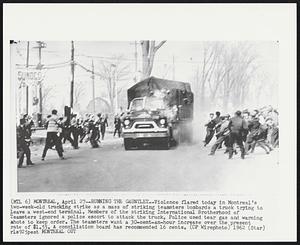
[(126, 122), (162, 121)]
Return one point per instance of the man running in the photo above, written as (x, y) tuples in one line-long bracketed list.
[(52, 137)]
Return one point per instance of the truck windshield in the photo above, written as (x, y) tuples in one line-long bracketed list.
[(154, 103), (137, 104)]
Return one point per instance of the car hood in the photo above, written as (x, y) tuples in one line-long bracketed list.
[(144, 114)]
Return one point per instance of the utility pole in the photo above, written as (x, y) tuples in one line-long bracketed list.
[(114, 86), (27, 92), (27, 56), (93, 87), (173, 68), (72, 74), (39, 66), (135, 60)]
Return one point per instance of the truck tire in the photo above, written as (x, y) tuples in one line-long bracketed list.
[(127, 144), (176, 135)]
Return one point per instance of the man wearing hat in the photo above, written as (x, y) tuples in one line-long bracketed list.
[(209, 129), (52, 137), (98, 125), (23, 142), (222, 134), (237, 126), (117, 123), (103, 126), (93, 132), (246, 117), (253, 131)]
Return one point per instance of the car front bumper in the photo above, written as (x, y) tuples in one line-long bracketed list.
[(145, 134)]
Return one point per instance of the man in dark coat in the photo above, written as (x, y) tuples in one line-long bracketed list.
[(253, 129), (66, 133), (218, 121), (209, 129), (23, 142), (98, 126), (223, 134), (237, 126), (84, 130), (93, 133), (74, 127), (103, 126), (117, 123)]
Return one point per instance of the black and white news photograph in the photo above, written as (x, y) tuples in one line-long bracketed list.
[(146, 115), (119, 127)]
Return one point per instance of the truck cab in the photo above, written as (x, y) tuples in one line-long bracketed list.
[(159, 113), (147, 122)]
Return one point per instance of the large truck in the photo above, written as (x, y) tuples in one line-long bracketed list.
[(160, 112)]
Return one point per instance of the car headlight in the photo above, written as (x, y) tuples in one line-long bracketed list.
[(162, 121), (126, 122)]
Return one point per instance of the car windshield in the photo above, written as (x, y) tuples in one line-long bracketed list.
[(154, 103), (137, 104)]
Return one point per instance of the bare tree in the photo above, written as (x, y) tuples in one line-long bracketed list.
[(225, 72), (149, 50), (112, 73), (239, 61), (259, 87), (215, 82), (212, 52), (79, 91), (101, 105), (165, 71), (47, 92)]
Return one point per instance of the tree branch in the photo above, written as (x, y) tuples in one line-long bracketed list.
[(159, 45)]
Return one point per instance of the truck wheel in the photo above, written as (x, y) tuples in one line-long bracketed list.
[(127, 144), (176, 135)]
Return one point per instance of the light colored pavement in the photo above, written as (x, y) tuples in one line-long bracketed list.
[(185, 168)]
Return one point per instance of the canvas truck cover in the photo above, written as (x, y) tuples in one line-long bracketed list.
[(144, 87)]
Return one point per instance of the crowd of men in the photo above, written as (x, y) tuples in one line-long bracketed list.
[(245, 130), (75, 129)]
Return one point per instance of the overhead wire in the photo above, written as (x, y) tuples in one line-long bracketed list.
[(88, 70), (48, 66), (133, 59)]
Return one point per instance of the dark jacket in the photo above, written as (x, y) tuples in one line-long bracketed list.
[(237, 125), (23, 135), (217, 122), (117, 122), (253, 124), (211, 124), (104, 124)]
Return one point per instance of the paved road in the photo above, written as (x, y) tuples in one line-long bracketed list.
[(184, 168)]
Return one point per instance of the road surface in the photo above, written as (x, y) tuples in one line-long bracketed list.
[(186, 168)]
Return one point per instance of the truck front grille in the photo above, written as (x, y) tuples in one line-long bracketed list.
[(144, 125)]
